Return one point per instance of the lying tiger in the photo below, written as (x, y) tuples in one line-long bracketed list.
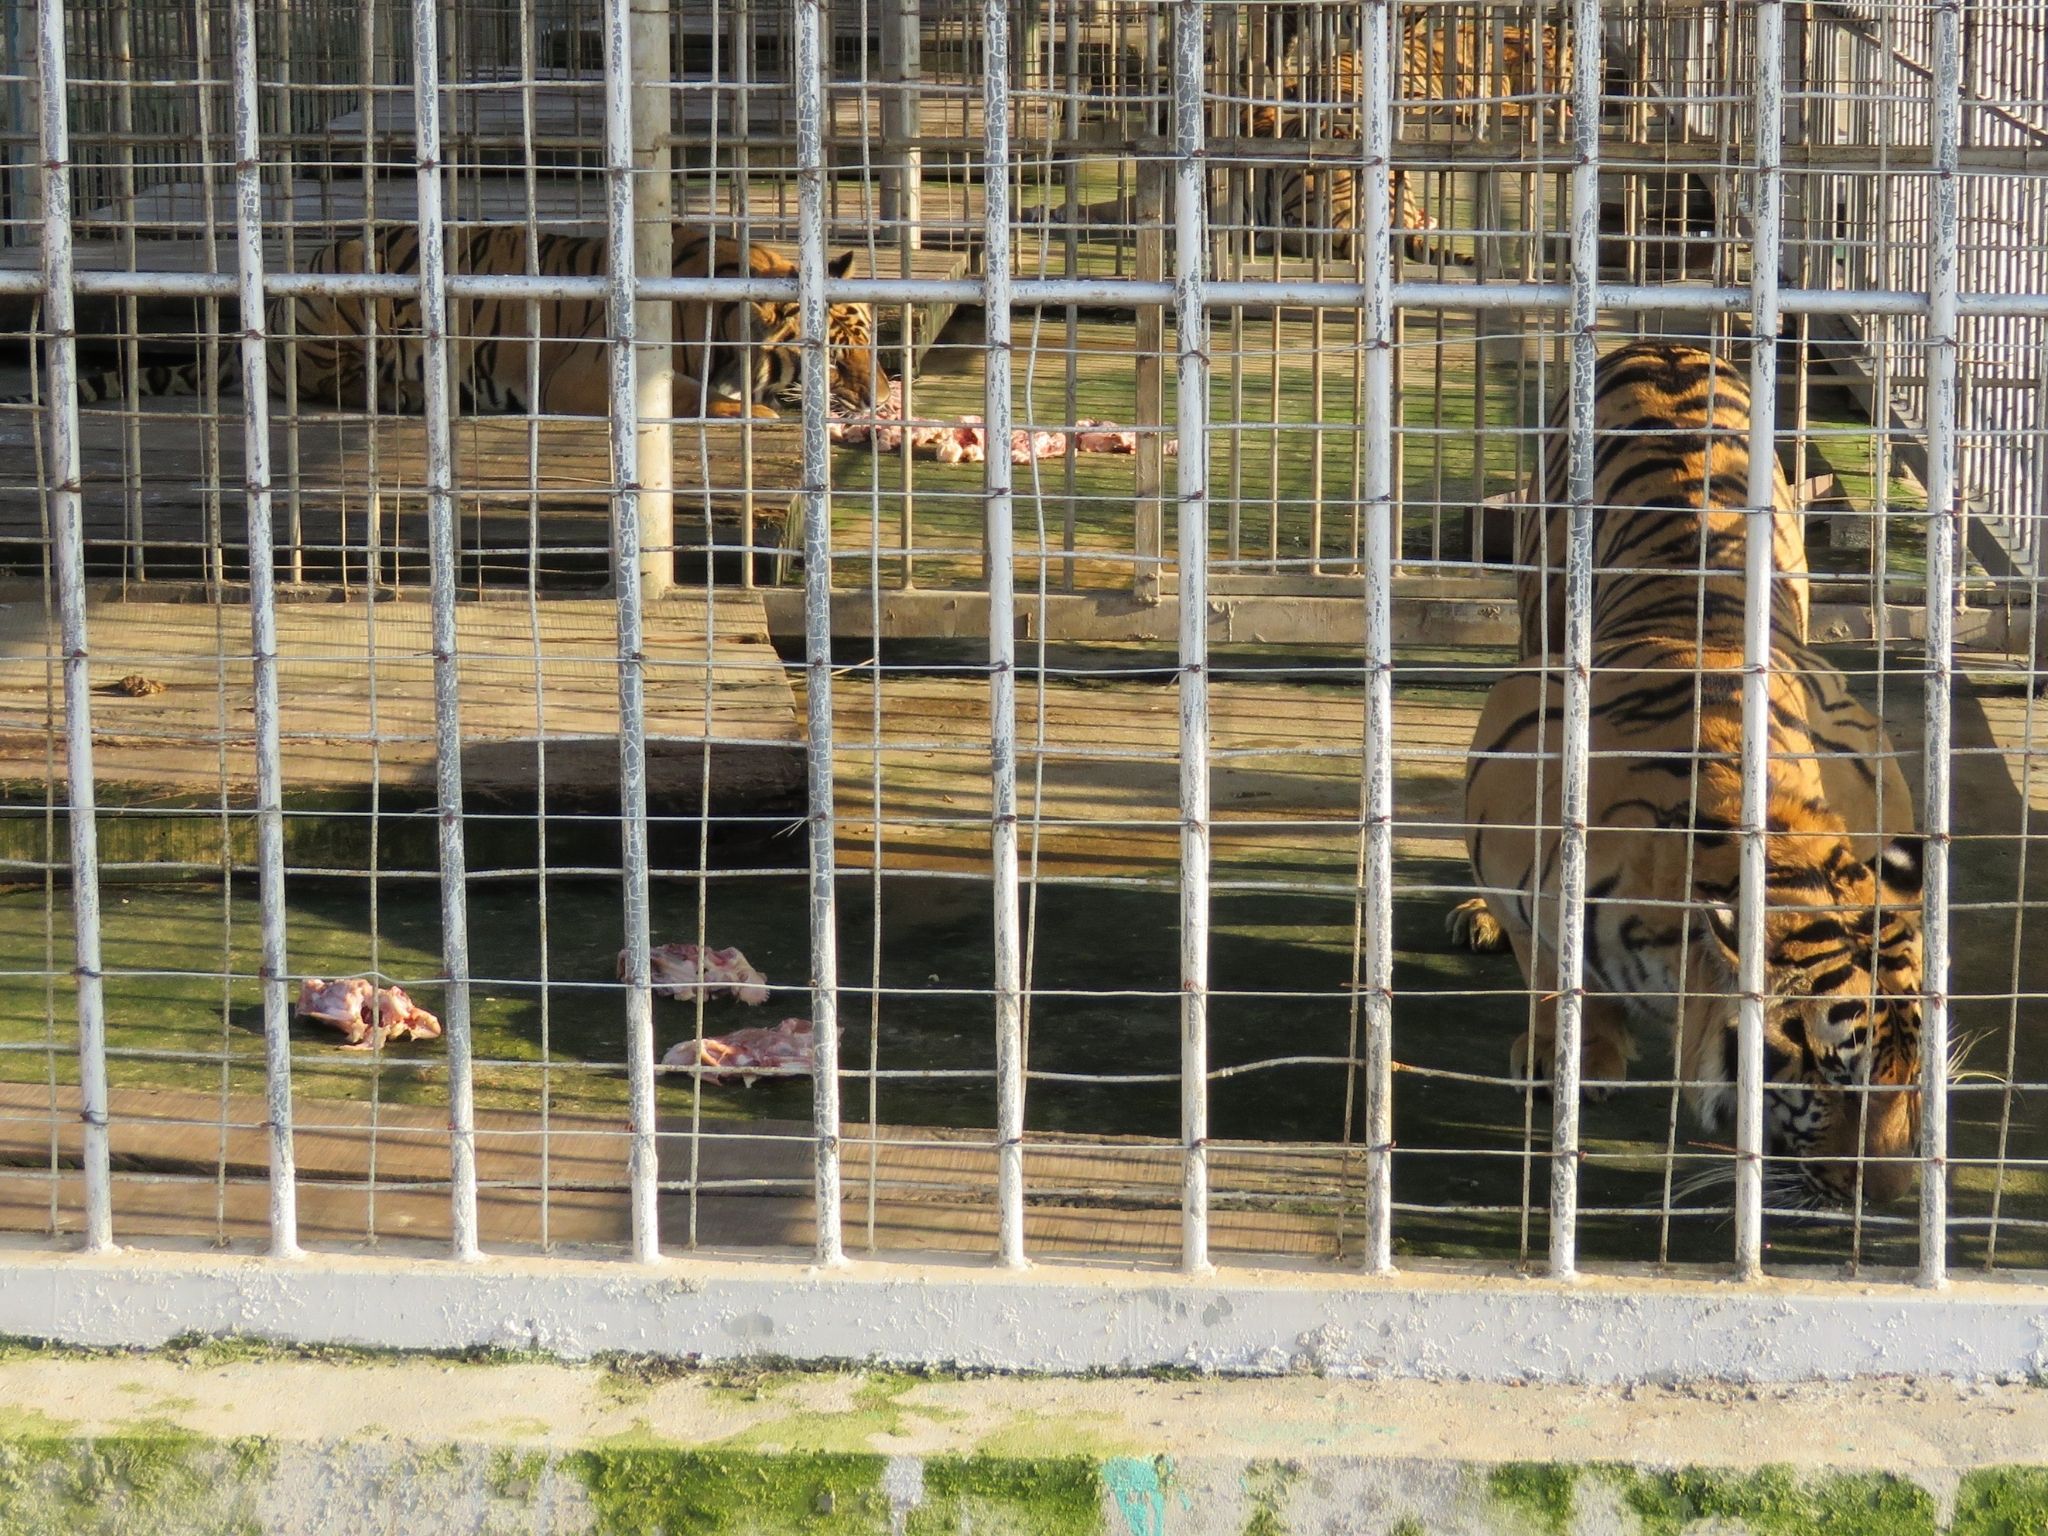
[(1299, 200), (724, 350), (1842, 929), (1448, 63), (1458, 65)]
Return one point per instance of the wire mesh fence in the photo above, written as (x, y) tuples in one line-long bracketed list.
[(1100, 602)]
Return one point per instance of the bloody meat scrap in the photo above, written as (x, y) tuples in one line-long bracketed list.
[(676, 970), (366, 1014), (964, 440), (747, 1053)]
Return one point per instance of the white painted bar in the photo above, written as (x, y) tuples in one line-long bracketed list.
[(437, 385), (632, 523), (999, 541), (817, 505), (277, 1000), (1751, 976), (1026, 292), (1191, 331), (1943, 539), (60, 382), (1381, 540), (1578, 644)]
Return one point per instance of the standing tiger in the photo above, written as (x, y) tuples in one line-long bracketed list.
[(1670, 477), (1843, 877), (722, 349)]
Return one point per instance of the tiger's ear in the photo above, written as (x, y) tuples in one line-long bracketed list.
[(1900, 868), (841, 264), (1721, 924)]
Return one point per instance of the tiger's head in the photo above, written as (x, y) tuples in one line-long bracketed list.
[(1841, 1021), (853, 365)]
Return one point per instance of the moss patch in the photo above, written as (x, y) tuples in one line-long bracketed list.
[(1540, 1490), (2002, 1501), (153, 1479), (649, 1491), (1044, 1496), (1776, 1501)]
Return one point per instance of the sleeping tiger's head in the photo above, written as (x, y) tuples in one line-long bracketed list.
[(1842, 1020)]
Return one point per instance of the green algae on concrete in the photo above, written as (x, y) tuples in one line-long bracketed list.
[(154, 1479), (1777, 1501), (1771, 1501), (2002, 1501), (658, 1491), (1540, 1490), (1001, 1496)]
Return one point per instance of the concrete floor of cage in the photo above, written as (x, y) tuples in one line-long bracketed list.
[(187, 1049)]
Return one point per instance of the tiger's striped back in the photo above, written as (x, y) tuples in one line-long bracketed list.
[(1670, 482)]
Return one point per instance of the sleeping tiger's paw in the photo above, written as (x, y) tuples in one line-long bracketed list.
[(1472, 925)]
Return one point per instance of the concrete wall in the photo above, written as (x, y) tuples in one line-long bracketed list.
[(224, 1437)]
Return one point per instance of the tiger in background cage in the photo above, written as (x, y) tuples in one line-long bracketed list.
[(1459, 60), (1306, 203), (731, 357), (1451, 62), (1841, 934)]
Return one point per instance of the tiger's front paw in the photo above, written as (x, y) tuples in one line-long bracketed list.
[(1603, 1062), (723, 409), (1472, 926)]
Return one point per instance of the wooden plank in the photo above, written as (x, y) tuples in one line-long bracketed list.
[(193, 1165), (349, 677)]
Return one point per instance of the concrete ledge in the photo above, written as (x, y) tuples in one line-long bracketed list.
[(224, 1437), (1463, 1325)]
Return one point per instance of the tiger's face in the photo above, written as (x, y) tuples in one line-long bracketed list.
[(853, 367), (1842, 1022), (856, 380)]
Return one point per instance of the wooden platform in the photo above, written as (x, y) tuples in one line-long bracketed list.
[(351, 676), (194, 1165), (537, 500)]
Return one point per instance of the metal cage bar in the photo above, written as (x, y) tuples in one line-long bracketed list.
[(284, 1220), (1766, 229), (1943, 541), (1029, 292), (1192, 423), (632, 385), (437, 386), (68, 560), (816, 498), (1578, 647), (1381, 543), (999, 522)]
